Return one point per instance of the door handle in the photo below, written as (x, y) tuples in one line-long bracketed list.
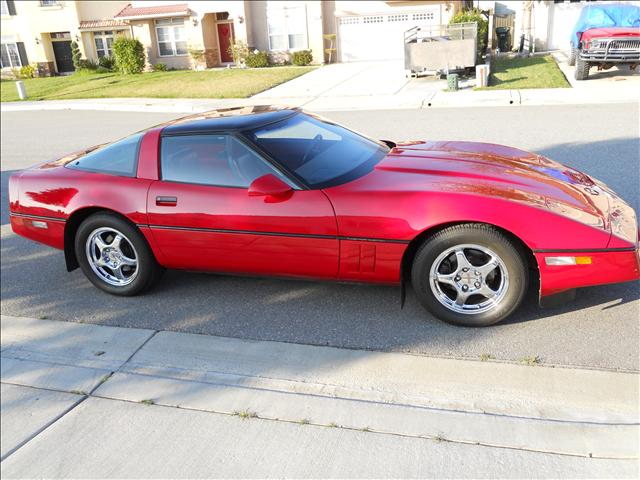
[(166, 201)]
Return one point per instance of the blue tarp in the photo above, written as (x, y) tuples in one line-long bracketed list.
[(606, 15)]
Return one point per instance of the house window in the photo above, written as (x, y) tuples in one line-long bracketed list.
[(103, 41), (4, 8), (10, 55), (287, 26), (48, 3), (171, 37)]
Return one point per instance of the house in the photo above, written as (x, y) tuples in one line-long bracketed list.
[(198, 34), (364, 30), (40, 32)]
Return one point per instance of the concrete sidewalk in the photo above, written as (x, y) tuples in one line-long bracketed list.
[(361, 86), (91, 401)]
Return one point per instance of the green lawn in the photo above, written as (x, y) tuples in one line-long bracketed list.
[(540, 71), (223, 83)]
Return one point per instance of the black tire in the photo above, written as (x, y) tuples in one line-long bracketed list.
[(147, 270), (573, 54), (513, 259), (582, 69)]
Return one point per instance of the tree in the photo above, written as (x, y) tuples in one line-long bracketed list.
[(76, 56)]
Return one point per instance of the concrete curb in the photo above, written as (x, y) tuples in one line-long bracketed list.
[(566, 411)]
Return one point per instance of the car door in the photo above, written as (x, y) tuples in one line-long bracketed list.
[(202, 216)]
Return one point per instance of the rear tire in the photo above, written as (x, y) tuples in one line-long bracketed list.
[(490, 278), (573, 54), (114, 255), (582, 69)]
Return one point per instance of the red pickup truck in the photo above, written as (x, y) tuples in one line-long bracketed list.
[(605, 35), (606, 48)]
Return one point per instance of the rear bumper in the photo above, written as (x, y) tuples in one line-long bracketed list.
[(47, 230), (607, 266)]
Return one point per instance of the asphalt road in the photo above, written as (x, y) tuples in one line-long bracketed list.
[(600, 329)]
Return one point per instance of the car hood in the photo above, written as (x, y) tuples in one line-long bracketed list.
[(610, 32), (502, 172)]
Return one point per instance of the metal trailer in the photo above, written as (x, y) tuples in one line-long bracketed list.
[(440, 48)]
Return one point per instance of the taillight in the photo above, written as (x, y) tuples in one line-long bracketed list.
[(14, 192)]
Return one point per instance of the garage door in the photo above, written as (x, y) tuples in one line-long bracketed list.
[(380, 36)]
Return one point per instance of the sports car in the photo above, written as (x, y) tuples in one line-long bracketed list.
[(282, 192)]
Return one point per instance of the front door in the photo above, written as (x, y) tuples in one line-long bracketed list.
[(62, 54), (225, 39), (203, 218)]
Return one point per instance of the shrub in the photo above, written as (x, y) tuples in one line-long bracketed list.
[(86, 65), (160, 67), (129, 55), (239, 51), (257, 59), (106, 62), (102, 70), (302, 57), (474, 15), (76, 56), (27, 71)]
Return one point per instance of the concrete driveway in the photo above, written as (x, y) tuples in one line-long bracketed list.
[(345, 79)]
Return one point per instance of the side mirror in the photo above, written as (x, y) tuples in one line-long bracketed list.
[(270, 186)]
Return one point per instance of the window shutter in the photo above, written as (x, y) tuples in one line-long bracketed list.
[(23, 54), (11, 6)]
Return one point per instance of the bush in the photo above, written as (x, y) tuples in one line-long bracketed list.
[(129, 55), (106, 62), (27, 71), (160, 67), (257, 59), (239, 51), (86, 65), (474, 15), (302, 57), (102, 70)]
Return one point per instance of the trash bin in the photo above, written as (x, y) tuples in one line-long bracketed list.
[(452, 82), (503, 38)]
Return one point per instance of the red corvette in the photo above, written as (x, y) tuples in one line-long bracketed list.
[(268, 191)]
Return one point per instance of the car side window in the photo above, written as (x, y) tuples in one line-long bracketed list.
[(119, 158), (216, 160)]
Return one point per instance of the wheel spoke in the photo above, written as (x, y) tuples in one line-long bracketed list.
[(461, 298), (118, 272), (488, 267), (486, 291), (100, 262), (100, 243), (115, 243), (445, 278), (131, 262), (462, 260)]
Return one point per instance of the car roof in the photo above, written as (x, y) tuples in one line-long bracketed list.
[(238, 118)]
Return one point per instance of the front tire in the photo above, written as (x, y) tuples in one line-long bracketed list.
[(470, 275), (573, 54), (114, 255), (582, 69)]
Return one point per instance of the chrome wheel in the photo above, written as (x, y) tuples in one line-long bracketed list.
[(112, 256), (469, 279)]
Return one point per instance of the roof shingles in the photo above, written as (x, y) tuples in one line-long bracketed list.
[(181, 9)]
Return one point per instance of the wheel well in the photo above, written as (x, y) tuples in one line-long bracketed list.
[(414, 245), (71, 227)]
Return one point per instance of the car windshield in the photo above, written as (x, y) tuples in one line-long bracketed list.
[(320, 153)]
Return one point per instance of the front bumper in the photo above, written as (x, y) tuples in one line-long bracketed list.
[(607, 266), (605, 57)]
